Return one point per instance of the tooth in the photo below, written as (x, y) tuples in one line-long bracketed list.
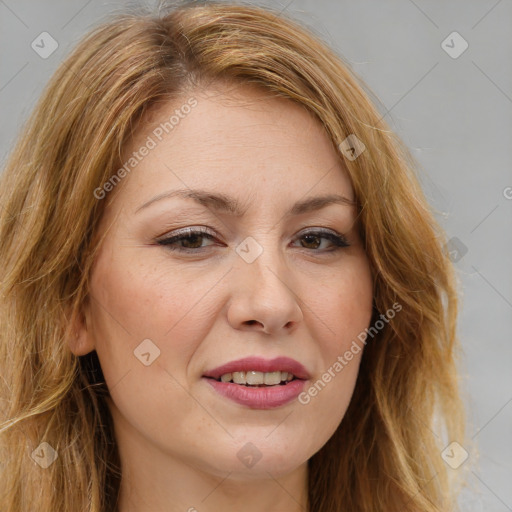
[(272, 378), (254, 378), (239, 377)]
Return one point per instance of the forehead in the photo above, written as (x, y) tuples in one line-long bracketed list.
[(237, 140)]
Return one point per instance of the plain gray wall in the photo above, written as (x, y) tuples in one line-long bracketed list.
[(455, 114)]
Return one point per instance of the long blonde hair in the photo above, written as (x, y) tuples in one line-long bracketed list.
[(386, 453)]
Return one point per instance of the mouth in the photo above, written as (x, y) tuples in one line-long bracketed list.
[(259, 383), (256, 371)]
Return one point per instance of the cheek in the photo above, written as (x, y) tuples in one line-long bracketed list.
[(346, 310), (354, 302), (136, 301), (354, 306), (344, 303), (146, 330)]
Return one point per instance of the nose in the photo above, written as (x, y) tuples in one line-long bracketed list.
[(262, 296)]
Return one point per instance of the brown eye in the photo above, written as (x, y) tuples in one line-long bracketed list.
[(188, 239), (313, 239)]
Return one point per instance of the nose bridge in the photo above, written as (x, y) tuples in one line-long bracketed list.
[(262, 259), (263, 291)]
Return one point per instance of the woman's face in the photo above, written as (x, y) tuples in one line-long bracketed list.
[(269, 280)]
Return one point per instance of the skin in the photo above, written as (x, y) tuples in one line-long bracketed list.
[(178, 439)]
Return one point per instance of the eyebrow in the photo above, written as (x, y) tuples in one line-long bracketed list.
[(223, 202)]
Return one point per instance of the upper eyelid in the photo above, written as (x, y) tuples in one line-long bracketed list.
[(207, 231), (188, 230)]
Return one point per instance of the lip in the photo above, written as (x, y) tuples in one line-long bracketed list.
[(258, 364), (256, 397)]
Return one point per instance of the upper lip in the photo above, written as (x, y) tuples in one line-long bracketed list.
[(258, 364)]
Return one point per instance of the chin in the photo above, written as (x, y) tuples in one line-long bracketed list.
[(264, 469), (259, 458)]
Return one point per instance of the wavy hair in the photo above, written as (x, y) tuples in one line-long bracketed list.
[(406, 407)]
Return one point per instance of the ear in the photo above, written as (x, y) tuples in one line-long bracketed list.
[(80, 337)]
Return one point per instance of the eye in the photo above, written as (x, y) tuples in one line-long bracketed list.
[(314, 238), (190, 240)]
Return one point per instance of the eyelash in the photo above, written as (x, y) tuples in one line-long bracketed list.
[(339, 241)]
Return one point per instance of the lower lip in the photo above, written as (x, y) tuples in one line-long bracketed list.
[(259, 398)]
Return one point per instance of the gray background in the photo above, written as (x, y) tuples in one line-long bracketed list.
[(453, 113)]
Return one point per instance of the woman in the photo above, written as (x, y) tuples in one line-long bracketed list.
[(304, 358)]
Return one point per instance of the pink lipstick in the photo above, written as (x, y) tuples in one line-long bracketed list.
[(259, 383)]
